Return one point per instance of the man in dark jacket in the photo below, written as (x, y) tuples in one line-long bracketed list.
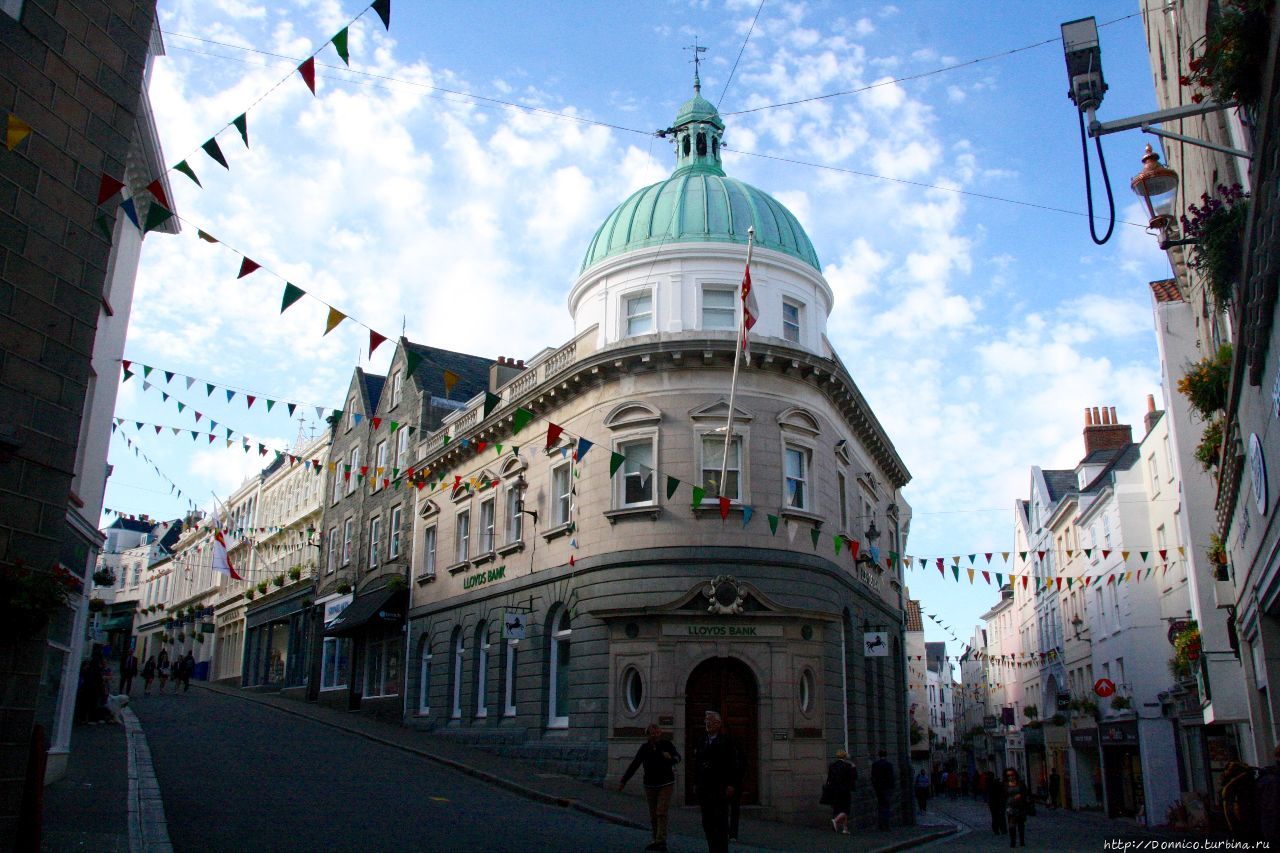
[(658, 756), (128, 669), (717, 777), (882, 784)]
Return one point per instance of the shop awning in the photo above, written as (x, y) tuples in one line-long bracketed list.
[(119, 623), (379, 607)]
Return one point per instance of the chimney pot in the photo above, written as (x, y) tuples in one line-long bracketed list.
[(1088, 416), (1151, 402), (1114, 419), (520, 363), (1097, 418)]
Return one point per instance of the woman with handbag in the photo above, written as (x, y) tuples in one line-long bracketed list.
[(1018, 805), (837, 792)]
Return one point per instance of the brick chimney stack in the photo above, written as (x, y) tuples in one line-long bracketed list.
[(1152, 416), (1103, 431)]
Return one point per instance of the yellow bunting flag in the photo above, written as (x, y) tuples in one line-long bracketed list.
[(16, 131), (450, 379), (970, 571), (335, 317)]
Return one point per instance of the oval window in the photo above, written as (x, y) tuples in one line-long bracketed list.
[(806, 690), (633, 689)]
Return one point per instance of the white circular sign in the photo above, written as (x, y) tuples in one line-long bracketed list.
[(1258, 473)]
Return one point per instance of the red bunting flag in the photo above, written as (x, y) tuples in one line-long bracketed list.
[(250, 398), (986, 576), (724, 508), (248, 266), (553, 434), (854, 545), (375, 340), (109, 186), (377, 422), (308, 72)]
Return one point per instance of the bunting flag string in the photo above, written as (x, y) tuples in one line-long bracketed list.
[(174, 489)]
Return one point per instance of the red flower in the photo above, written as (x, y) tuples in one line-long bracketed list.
[(1184, 80), (1197, 98)]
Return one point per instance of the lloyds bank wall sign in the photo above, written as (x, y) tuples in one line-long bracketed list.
[(720, 630), (481, 578)]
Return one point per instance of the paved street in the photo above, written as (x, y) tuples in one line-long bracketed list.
[(236, 776), (1050, 829)]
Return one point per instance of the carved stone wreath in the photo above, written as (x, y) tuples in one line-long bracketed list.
[(725, 594)]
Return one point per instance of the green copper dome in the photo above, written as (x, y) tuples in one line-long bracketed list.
[(699, 203)]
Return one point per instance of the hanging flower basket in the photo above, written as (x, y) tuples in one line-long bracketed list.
[(344, 588), (1206, 383), (1209, 449), (1217, 225), (104, 577), (97, 605), (29, 597)]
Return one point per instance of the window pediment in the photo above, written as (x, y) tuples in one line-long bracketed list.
[(797, 420), (719, 412), (632, 414), (428, 509), (512, 467)]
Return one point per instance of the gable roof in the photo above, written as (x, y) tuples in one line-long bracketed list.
[(1060, 483), (1125, 459), (373, 384), (472, 371), (914, 621)]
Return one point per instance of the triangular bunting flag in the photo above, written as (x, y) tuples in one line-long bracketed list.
[(520, 419), (206, 236), (107, 187), (308, 71), (747, 512), (247, 266), (724, 509), (157, 192), (450, 380), (211, 148), (131, 211), (340, 44), (553, 434), (970, 571), (375, 340), (383, 8), (331, 322), (698, 494), (583, 447), (186, 169), (491, 402), (242, 124), (16, 130), (292, 293), (615, 462)]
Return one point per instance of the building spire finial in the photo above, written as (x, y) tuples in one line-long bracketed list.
[(697, 62)]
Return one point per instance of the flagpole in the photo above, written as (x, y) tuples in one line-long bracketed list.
[(737, 359)]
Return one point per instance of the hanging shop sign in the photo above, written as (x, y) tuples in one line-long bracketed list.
[(513, 626), (875, 644), (1258, 473), (1119, 734), (1104, 687)]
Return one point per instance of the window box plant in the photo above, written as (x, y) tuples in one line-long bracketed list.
[(344, 588), (278, 580), (1228, 65), (104, 577), (249, 593), (262, 587), (1217, 552), (395, 583), (97, 605), (295, 573), (1121, 703)]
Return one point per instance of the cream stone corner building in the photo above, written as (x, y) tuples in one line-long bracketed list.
[(565, 591)]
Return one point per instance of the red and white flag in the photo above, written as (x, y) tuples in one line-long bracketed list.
[(750, 310), (221, 562)]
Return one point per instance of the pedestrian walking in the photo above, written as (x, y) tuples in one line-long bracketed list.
[(1268, 799), (837, 792), (1055, 788), (882, 782), (995, 802), (128, 669), (1240, 801), (187, 669), (953, 785), (162, 669), (148, 675), (1018, 806), (717, 776), (922, 785), (658, 757)]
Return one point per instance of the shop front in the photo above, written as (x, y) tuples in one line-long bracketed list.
[(1122, 768), (1086, 769), (276, 635), (373, 625)]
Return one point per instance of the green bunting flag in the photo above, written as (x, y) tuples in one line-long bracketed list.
[(242, 124), (412, 360), (383, 8), (698, 494), (615, 462), (491, 402), (340, 45), (999, 579), (156, 216), (672, 485), (104, 227), (773, 525), (186, 169), (955, 570), (815, 535), (520, 419), (270, 403), (837, 540), (211, 148)]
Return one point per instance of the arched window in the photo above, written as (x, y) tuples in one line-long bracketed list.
[(482, 666), (558, 686), (702, 145), (456, 710), (685, 145), (715, 148), (424, 678)]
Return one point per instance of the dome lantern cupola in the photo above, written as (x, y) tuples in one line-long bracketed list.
[(698, 129)]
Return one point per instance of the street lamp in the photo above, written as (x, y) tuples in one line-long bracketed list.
[(1156, 185), (520, 485)]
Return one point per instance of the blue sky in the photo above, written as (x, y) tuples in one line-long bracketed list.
[(978, 329)]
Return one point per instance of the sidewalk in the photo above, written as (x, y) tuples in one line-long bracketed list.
[(627, 809), (88, 809)]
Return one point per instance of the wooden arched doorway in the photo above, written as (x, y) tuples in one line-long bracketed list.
[(726, 685)]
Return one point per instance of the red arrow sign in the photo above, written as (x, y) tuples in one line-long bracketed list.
[(1104, 687)]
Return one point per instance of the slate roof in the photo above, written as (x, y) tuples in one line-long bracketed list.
[(373, 385), (135, 524), (1123, 461), (1102, 456), (472, 371), (914, 620), (1060, 483)]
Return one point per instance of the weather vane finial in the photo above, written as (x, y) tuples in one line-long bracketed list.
[(697, 62)]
